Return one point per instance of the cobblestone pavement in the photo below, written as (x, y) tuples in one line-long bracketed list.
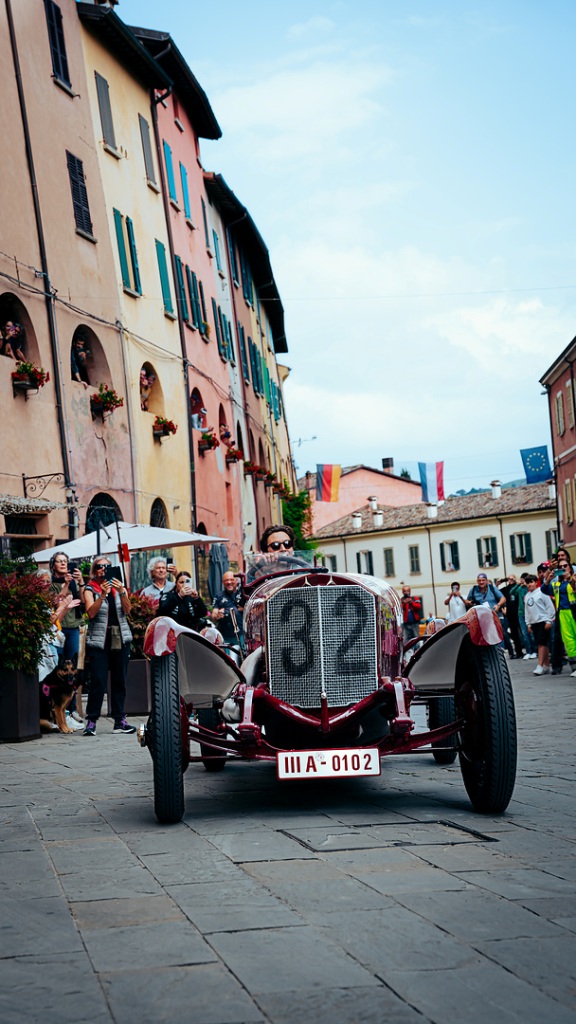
[(369, 900)]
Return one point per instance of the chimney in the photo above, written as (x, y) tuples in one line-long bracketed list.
[(496, 488), (378, 518), (432, 511), (373, 502), (388, 465), (551, 490), (357, 520)]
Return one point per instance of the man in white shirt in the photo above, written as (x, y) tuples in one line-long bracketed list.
[(158, 570), (456, 603)]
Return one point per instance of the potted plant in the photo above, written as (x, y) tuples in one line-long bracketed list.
[(270, 479), (104, 400), (234, 455), (261, 473), (249, 468), (25, 620), (27, 377), (163, 427), (208, 441)]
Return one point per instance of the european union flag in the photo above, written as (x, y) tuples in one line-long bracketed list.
[(536, 464)]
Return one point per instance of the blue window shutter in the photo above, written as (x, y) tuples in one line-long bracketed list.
[(185, 192), (169, 171), (243, 356), (205, 222), (137, 286), (181, 289), (164, 279), (121, 248), (57, 42)]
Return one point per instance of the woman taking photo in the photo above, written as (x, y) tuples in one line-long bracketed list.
[(183, 604), (107, 604)]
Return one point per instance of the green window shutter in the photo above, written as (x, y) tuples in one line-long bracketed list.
[(267, 383), (275, 402), (202, 302), (181, 290), (233, 260), (358, 562), (494, 550), (231, 352), (513, 548), (185, 192), (147, 149), (253, 365), (57, 42), (528, 546), (455, 556), (118, 224), (217, 250), (164, 279), (224, 332), (243, 356), (480, 551), (205, 222), (169, 171), (105, 110), (79, 193), (215, 313), (137, 286), (442, 558), (193, 295)]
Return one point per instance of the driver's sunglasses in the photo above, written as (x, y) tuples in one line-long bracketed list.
[(275, 545)]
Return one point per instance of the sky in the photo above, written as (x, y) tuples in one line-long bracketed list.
[(411, 168)]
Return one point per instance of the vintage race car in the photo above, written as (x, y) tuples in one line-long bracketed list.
[(325, 688)]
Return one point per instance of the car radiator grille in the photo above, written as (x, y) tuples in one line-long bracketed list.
[(322, 639)]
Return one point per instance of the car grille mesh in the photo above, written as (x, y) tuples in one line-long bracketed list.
[(322, 638)]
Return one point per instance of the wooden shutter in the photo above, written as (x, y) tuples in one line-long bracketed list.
[(169, 171), (181, 290), (442, 558), (118, 224), (233, 260), (480, 550), (57, 42), (194, 299), (455, 556), (243, 356), (105, 110), (164, 279), (136, 284), (231, 352), (185, 192), (513, 548), (147, 149), (215, 311), (494, 550), (79, 193), (528, 547), (205, 222)]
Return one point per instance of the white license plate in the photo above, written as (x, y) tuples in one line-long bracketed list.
[(318, 764)]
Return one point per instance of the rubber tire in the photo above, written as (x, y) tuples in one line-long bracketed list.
[(166, 745), (210, 719), (441, 711), (488, 743)]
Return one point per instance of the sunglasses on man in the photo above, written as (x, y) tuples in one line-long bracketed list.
[(275, 545)]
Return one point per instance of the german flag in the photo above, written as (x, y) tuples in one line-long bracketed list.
[(327, 483)]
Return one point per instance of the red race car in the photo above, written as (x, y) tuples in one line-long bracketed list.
[(324, 687)]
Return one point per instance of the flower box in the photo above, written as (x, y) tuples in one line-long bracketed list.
[(104, 400), (233, 455), (163, 428), (27, 377), (207, 442)]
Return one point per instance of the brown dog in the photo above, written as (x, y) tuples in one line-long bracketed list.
[(57, 690)]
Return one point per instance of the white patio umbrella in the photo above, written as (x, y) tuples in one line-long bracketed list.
[(137, 537)]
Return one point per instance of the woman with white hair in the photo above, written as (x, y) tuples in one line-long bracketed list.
[(158, 569)]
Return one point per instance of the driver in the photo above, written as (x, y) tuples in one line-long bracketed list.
[(277, 545)]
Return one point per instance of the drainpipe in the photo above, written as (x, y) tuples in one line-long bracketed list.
[(427, 528), (547, 389), (127, 385), (155, 100), (49, 293), (503, 547)]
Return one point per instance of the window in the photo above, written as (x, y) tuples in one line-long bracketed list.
[(158, 514), (560, 424), (247, 289), (388, 561), (276, 407), (164, 279), (194, 295), (170, 172), (185, 192), (487, 552), (414, 558), (181, 290), (233, 260), (551, 543), (57, 43), (147, 150), (449, 558), (217, 252), (79, 194), (105, 111), (364, 562), (521, 548), (243, 356), (205, 223), (127, 253), (568, 501), (221, 341), (570, 402)]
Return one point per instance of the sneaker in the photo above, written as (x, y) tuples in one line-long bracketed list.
[(124, 726), (526, 657), (532, 656), (90, 729), (77, 717), (556, 672), (540, 671), (573, 673), (72, 723)]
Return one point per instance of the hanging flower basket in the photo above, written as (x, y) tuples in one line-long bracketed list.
[(249, 468), (163, 427), (270, 479), (261, 473), (234, 455), (208, 441), (104, 400), (27, 377)]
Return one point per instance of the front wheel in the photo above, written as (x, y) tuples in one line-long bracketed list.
[(166, 745), (441, 712), (488, 747)]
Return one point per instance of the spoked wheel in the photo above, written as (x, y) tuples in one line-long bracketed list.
[(210, 719), (488, 747), (441, 712), (166, 746)]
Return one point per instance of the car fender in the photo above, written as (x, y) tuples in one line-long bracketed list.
[(205, 671), (432, 667)]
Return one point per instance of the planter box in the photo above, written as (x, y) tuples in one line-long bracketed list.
[(19, 706), (138, 699)]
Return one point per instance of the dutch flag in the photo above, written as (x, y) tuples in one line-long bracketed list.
[(432, 480)]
